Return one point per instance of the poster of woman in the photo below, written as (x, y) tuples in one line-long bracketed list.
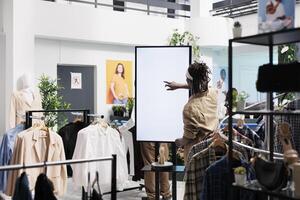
[(118, 81), (275, 15)]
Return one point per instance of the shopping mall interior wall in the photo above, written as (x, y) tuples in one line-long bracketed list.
[(246, 60), (49, 53), (1, 16), (77, 22), (2, 83)]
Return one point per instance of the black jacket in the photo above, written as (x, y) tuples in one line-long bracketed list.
[(44, 188), (69, 136), (22, 191)]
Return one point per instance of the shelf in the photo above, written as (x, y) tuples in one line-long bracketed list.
[(176, 169), (254, 187), (119, 118), (266, 112), (272, 38)]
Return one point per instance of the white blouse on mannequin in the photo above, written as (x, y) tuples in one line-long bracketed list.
[(23, 100)]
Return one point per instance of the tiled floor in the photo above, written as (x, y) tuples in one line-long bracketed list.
[(75, 193)]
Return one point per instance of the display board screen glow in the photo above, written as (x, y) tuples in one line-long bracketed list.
[(158, 111)]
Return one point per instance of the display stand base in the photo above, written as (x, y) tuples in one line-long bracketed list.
[(157, 166)]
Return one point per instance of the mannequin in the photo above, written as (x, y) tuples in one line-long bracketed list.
[(26, 87), (23, 100)]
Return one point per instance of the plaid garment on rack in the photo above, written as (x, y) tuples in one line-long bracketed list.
[(277, 143), (195, 171), (294, 121), (205, 143)]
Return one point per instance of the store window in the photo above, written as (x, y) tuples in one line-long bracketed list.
[(118, 5), (171, 11)]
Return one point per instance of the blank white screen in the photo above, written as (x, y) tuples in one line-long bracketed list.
[(159, 112)]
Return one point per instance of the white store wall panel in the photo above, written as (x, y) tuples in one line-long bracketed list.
[(2, 83), (51, 52), (102, 25)]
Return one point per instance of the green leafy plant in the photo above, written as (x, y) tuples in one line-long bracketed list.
[(242, 96), (234, 97), (287, 54), (185, 39), (237, 24), (240, 170), (129, 105), (52, 101), (119, 110)]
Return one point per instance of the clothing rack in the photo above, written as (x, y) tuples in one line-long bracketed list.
[(96, 115), (29, 114), (243, 145), (113, 159)]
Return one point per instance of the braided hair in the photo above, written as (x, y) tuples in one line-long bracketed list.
[(200, 75)]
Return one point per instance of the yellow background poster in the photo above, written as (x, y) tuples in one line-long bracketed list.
[(111, 71)]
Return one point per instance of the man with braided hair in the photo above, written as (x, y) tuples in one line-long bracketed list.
[(200, 116)]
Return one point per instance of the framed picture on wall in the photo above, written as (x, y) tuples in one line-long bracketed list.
[(118, 81), (275, 15)]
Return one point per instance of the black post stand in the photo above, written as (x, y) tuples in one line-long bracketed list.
[(114, 178), (157, 181), (157, 172), (174, 178)]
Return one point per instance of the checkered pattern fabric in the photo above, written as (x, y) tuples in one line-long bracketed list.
[(195, 171)]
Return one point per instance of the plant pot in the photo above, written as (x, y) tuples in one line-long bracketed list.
[(240, 179), (237, 32), (240, 105), (119, 113)]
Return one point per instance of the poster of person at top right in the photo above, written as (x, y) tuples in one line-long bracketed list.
[(276, 15)]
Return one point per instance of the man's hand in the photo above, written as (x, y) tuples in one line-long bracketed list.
[(172, 85)]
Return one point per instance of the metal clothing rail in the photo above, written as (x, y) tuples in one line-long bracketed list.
[(112, 158), (29, 114)]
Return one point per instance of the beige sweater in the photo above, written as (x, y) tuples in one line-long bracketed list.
[(19, 105), (200, 115)]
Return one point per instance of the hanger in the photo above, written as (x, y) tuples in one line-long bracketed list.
[(100, 121)]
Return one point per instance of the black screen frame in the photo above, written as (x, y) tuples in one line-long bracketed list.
[(136, 86)]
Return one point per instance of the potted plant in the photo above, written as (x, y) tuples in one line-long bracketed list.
[(51, 100), (237, 29), (186, 38), (129, 106), (241, 100), (234, 99), (240, 176), (119, 111)]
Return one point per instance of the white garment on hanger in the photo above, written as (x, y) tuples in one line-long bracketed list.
[(96, 141), (124, 129)]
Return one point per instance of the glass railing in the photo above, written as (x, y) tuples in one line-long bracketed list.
[(168, 8), (235, 8)]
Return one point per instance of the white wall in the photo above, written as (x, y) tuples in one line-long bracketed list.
[(213, 31), (101, 25), (2, 83), (49, 53), (1, 15)]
